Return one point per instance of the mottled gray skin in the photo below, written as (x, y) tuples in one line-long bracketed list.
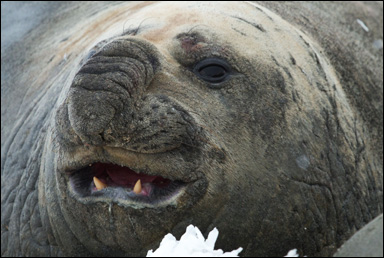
[(287, 153)]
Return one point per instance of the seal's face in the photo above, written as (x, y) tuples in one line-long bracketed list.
[(197, 107)]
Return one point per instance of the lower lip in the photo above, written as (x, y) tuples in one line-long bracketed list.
[(127, 198)]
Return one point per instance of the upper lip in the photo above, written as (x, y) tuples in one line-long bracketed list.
[(159, 164)]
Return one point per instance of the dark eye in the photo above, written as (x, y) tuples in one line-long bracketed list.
[(212, 70)]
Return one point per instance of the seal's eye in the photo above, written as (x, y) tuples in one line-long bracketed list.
[(212, 70)]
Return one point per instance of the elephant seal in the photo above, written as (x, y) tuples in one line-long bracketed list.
[(122, 122)]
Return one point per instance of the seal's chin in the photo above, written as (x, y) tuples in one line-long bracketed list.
[(106, 180)]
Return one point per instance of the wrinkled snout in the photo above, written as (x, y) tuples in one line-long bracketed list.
[(108, 102)]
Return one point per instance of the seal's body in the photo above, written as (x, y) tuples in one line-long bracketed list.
[(144, 118)]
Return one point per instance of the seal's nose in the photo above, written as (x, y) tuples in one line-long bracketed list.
[(114, 101), (109, 84)]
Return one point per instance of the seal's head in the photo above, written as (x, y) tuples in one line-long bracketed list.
[(226, 115)]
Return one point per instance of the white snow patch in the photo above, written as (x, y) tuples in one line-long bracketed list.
[(292, 253), (191, 244), (362, 24)]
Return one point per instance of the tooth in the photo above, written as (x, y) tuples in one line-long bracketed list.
[(99, 185), (137, 188)]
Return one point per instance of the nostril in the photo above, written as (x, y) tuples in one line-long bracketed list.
[(102, 137)]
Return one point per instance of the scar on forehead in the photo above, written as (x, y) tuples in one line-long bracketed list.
[(190, 41)]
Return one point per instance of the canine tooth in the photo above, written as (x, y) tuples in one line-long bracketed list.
[(137, 187), (99, 185)]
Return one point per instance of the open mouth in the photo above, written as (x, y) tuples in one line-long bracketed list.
[(113, 181)]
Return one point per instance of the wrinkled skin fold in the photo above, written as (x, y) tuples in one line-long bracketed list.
[(252, 118)]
